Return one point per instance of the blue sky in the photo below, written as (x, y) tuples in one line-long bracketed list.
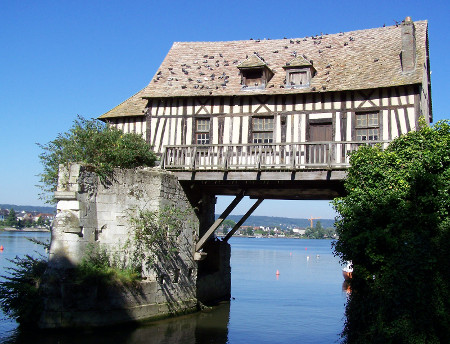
[(60, 59)]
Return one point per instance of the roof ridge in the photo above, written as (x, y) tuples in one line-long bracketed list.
[(297, 38), (359, 59)]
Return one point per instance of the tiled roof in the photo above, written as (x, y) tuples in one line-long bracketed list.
[(298, 61), (252, 61), (345, 61), (133, 106)]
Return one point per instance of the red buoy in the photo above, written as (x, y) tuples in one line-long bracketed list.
[(1, 247), (278, 273)]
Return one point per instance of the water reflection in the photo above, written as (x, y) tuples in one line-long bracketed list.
[(305, 305), (209, 326)]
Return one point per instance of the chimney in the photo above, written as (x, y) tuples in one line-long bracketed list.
[(408, 55)]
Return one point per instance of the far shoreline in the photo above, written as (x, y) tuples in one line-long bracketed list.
[(25, 229)]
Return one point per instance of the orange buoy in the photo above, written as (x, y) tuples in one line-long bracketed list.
[(278, 273), (1, 247)]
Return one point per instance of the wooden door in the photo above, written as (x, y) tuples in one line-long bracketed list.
[(319, 132)]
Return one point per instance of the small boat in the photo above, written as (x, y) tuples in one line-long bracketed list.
[(347, 271)]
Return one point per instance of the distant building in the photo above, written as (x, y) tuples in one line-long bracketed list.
[(45, 217), (3, 214), (299, 231)]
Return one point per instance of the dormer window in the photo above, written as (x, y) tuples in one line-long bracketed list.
[(299, 78), (299, 72), (255, 74), (252, 77)]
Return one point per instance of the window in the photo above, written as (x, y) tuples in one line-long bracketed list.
[(255, 74), (262, 129), (297, 78), (299, 72), (252, 77), (255, 78), (202, 131), (367, 127)]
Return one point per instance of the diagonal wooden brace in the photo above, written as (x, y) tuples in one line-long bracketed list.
[(241, 221), (219, 221)]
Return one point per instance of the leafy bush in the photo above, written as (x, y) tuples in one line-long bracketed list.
[(19, 291), (94, 143), (394, 226)]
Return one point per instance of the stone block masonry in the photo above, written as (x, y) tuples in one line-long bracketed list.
[(96, 212)]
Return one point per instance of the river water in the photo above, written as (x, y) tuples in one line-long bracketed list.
[(304, 303)]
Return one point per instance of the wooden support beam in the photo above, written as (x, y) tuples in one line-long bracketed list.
[(241, 221), (219, 221)]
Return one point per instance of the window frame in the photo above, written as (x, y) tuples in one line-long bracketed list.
[(199, 132), (265, 129), (367, 129), (266, 75), (293, 70)]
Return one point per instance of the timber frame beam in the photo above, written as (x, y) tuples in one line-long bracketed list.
[(241, 221), (219, 221)]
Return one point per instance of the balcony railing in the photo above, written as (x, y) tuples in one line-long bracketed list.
[(281, 156)]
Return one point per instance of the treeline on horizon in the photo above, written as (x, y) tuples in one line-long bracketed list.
[(29, 208), (254, 220), (279, 222)]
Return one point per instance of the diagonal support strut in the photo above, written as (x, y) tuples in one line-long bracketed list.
[(241, 221), (219, 221)]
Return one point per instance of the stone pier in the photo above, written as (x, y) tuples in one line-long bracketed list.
[(95, 212)]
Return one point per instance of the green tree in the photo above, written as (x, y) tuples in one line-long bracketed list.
[(317, 232), (227, 225), (11, 219), (249, 231), (394, 226), (40, 222), (94, 143), (330, 232)]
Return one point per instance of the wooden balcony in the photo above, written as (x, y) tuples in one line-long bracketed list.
[(257, 157), (303, 170)]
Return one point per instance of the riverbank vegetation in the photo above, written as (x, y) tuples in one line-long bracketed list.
[(12, 221), (20, 290), (394, 225), (315, 232), (21, 294), (91, 142)]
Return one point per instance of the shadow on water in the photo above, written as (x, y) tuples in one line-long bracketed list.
[(202, 327), (209, 326)]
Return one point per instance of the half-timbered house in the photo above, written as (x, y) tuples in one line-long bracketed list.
[(290, 106), (277, 118), (300, 102)]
